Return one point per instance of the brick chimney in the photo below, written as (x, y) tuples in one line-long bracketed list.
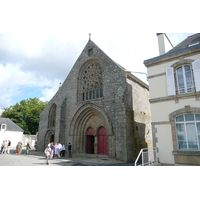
[(164, 44)]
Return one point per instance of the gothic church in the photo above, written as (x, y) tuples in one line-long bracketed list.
[(100, 109)]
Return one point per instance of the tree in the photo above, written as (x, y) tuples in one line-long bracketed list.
[(26, 114)]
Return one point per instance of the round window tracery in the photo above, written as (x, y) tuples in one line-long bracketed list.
[(92, 81)]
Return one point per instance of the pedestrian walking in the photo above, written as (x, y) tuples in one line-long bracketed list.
[(47, 153), (9, 144), (18, 148), (57, 151), (27, 147), (62, 153), (70, 150), (2, 146), (60, 148), (5, 147), (52, 150)]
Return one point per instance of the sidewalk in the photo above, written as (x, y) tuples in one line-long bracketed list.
[(76, 160), (88, 160)]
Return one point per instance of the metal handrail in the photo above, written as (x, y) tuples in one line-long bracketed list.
[(152, 159)]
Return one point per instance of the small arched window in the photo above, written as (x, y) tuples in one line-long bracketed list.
[(91, 81), (52, 116)]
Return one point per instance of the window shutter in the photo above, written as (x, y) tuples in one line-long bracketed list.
[(170, 81), (196, 71)]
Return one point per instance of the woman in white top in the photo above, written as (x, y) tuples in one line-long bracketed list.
[(47, 153)]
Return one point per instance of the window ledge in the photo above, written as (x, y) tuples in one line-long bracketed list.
[(176, 97), (186, 153)]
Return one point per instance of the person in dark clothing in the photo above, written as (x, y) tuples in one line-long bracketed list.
[(9, 144), (70, 150)]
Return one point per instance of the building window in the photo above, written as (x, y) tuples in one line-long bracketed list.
[(90, 52), (92, 82), (2, 127), (184, 79), (52, 116), (188, 131)]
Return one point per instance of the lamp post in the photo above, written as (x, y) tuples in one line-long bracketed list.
[(138, 73)]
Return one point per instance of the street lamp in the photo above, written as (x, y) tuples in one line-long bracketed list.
[(138, 73)]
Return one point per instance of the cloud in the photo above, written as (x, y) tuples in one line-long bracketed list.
[(33, 64), (16, 84), (22, 71), (48, 93)]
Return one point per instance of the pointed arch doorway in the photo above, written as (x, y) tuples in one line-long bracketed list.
[(90, 141), (52, 138), (102, 141)]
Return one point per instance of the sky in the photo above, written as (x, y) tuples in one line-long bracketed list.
[(39, 43)]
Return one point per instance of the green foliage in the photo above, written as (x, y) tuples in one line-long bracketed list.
[(26, 114)]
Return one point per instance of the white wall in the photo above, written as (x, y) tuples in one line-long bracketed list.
[(160, 110), (165, 146), (14, 137)]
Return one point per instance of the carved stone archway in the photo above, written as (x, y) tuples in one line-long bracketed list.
[(89, 115), (48, 138)]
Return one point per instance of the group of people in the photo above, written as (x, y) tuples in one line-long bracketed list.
[(5, 147), (56, 150), (19, 148)]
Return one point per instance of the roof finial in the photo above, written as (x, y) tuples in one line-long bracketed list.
[(90, 36)]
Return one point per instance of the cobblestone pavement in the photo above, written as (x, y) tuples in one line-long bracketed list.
[(37, 158)]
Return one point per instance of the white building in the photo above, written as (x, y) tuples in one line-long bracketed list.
[(174, 83), (10, 131)]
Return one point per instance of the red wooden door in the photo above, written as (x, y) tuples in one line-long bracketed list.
[(102, 141), (90, 141)]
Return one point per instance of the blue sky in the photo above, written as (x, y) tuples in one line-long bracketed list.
[(39, 43)]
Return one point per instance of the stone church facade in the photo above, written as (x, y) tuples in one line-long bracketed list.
[(100, 109)]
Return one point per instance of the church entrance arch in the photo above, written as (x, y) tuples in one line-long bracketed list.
[(49, 137), (90, 141), (102, 141), (90, 129)]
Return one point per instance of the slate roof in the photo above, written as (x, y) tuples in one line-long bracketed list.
[(11, 126), (190, 40)]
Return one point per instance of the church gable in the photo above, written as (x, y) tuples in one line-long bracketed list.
[(91, 74)]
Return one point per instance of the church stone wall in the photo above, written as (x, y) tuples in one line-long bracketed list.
[(142, 116)]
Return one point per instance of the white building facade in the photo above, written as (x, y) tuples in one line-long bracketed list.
[(174, 82), (10, 131)]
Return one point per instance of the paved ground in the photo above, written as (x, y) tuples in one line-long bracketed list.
[(35, 158)]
